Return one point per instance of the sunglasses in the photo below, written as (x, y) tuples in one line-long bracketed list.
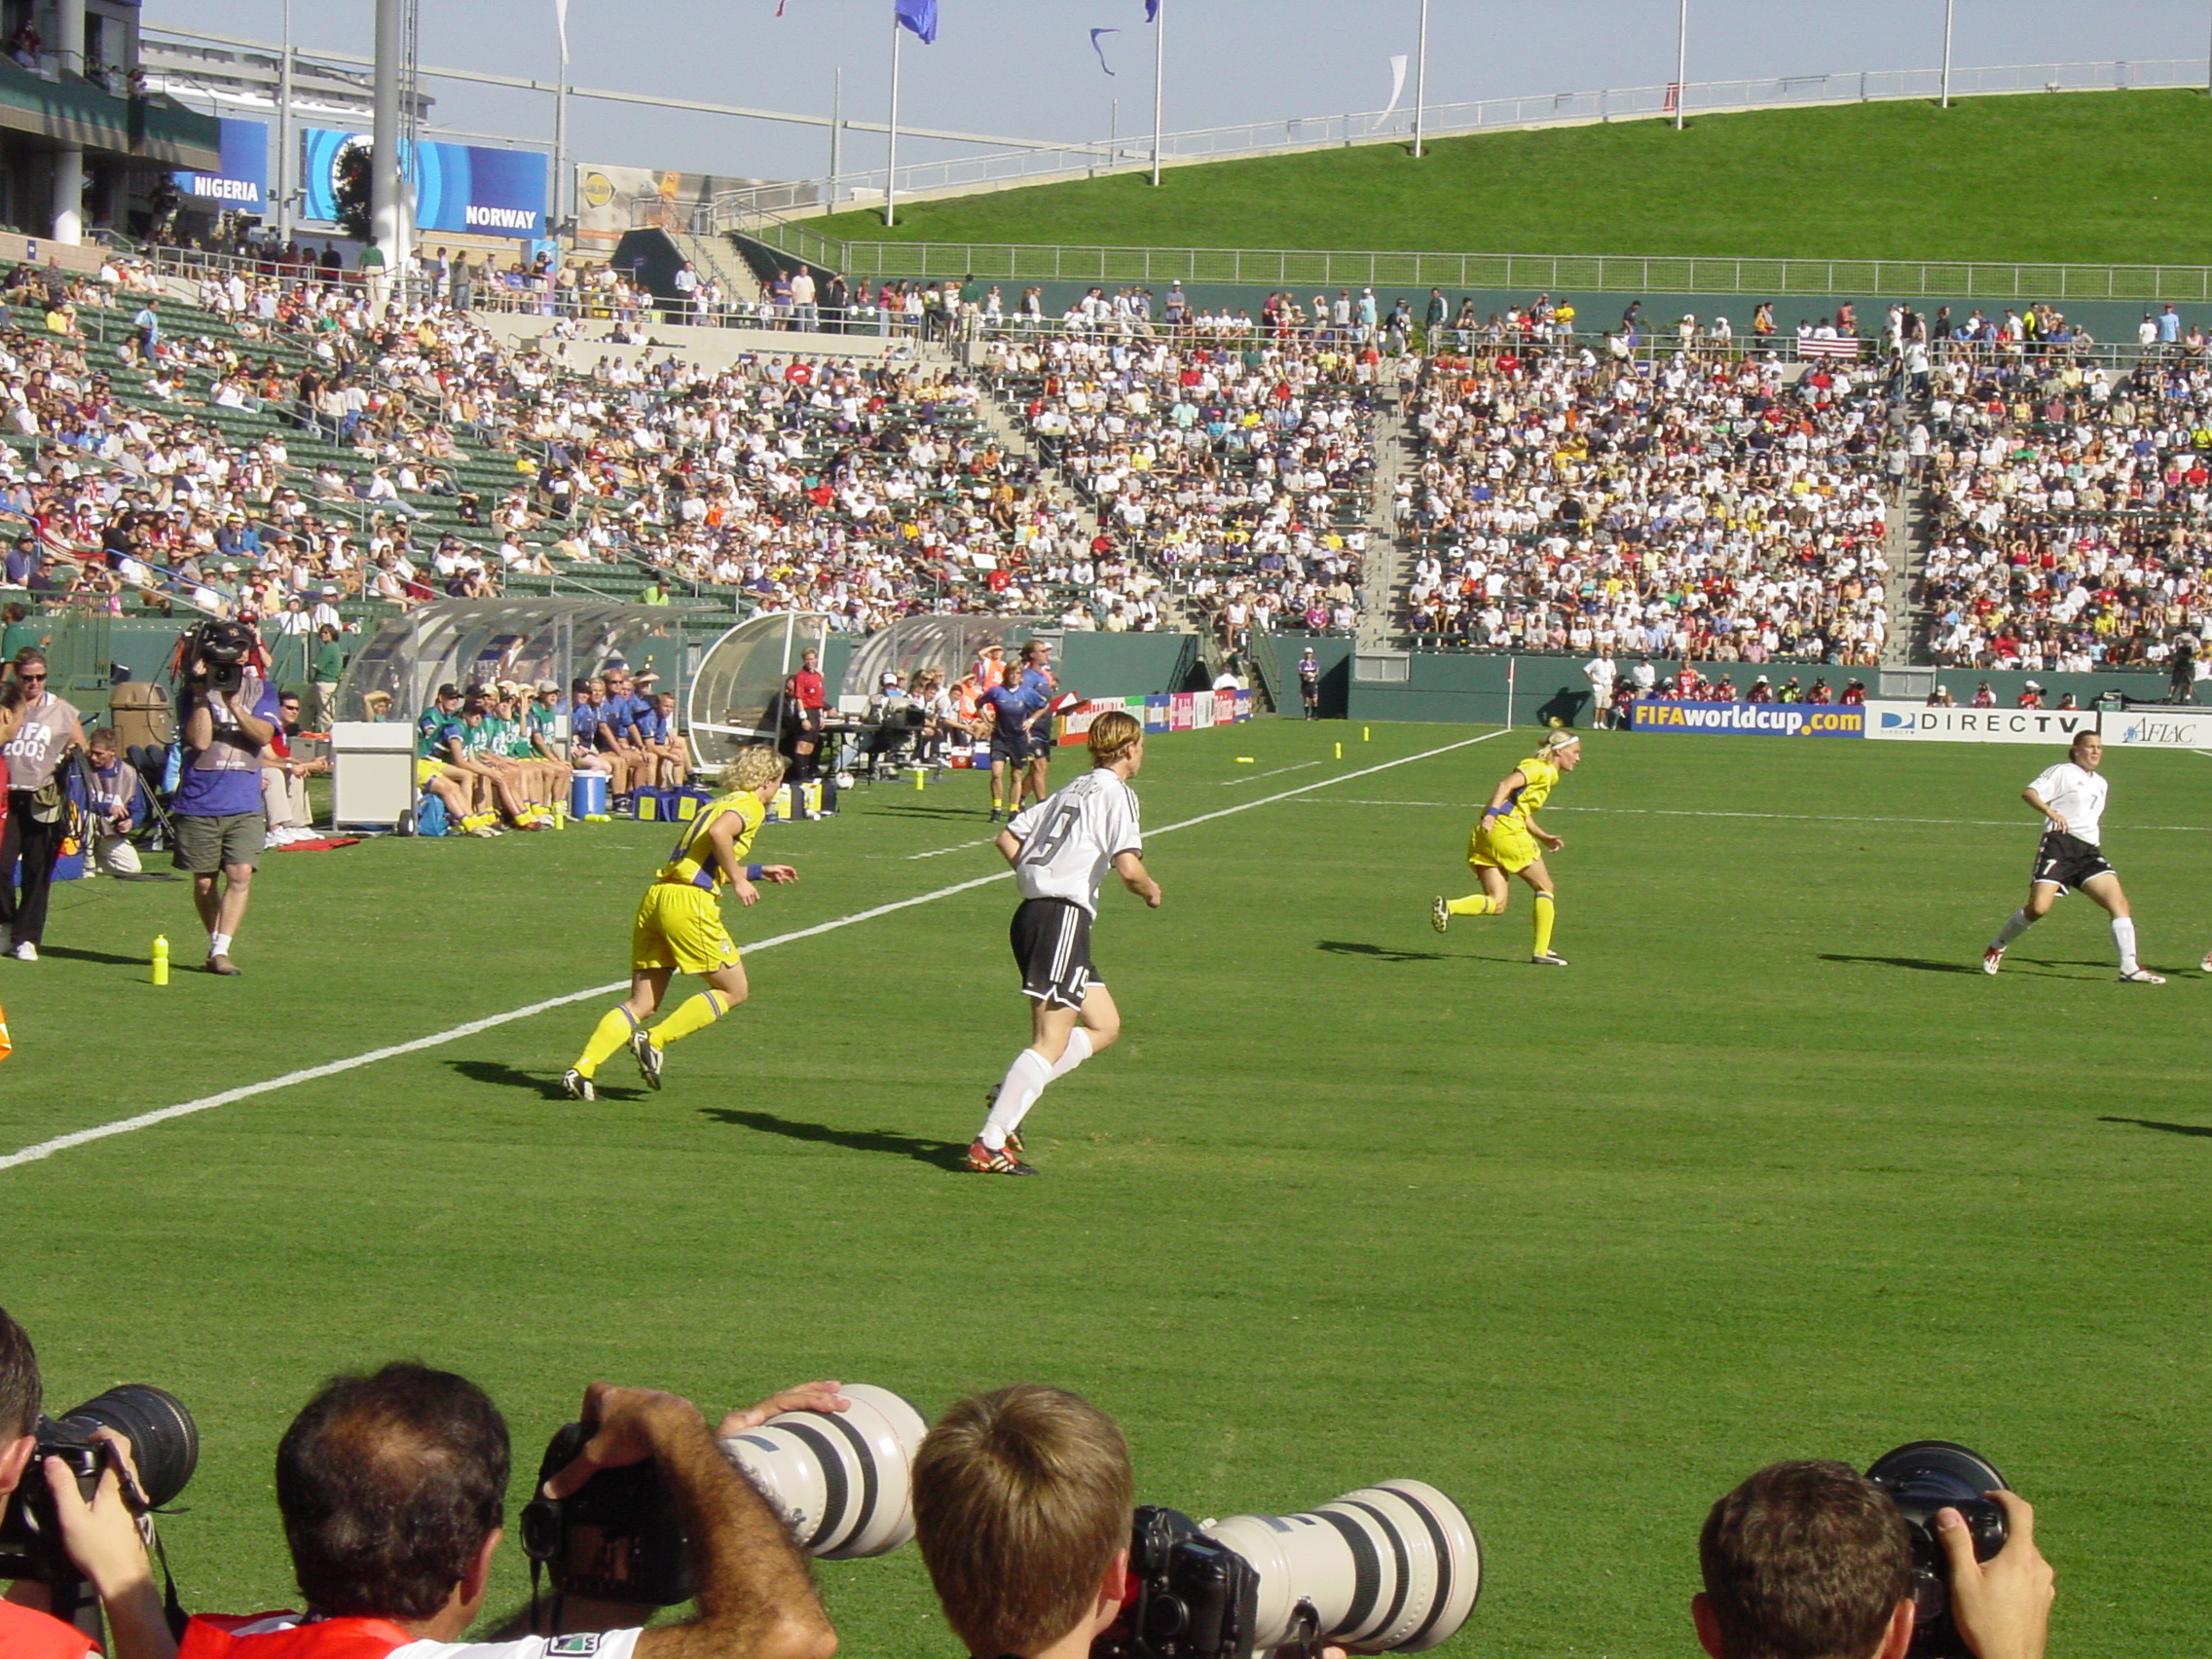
[(20, 674)]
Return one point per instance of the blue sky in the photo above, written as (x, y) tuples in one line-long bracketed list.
[(1024, 67)]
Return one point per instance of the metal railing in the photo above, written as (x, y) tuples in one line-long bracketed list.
[(1441, 120)]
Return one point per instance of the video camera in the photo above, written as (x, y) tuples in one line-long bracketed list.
[(1389, 1568), (839, 1480), (164, 1444), (1921, 1479), (220, 648)]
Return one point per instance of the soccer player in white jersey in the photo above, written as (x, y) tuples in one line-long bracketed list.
[(1060, 850), (2071, 796)]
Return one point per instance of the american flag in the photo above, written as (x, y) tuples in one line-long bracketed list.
[(1846, 348)]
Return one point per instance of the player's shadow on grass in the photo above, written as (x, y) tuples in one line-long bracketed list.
[(1381, 952), (107, 959), (944, 1155), (503, 1076), (1920, 963), (904, 811), (2168, 1129)]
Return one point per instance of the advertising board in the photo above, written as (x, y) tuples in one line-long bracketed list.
[(1917, 723), (2157, 728), (459, 188), (1752, 720), (241, 184)]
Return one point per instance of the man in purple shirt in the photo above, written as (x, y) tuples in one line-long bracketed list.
[(226, 716)]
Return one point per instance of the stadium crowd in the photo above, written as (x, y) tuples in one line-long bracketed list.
[(1697, 507)]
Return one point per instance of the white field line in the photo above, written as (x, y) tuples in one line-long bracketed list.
[(1789, 817), (956, 847), (208, 1102), (1232, 783)]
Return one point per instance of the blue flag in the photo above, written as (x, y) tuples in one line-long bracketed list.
[(920, 15), (1097, 47), (1151, 11)]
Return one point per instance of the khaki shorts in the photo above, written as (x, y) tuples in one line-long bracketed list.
[(204, 845)]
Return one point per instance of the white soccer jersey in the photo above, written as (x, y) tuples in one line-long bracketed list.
[(1072, 837), (2077, 795)]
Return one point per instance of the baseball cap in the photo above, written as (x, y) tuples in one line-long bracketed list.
[(551, 687), (449, 690)]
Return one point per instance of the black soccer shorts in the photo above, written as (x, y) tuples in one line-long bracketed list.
[(1051, 946), (2068, 860)]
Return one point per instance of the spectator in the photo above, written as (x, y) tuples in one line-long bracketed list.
[(114, 804), (285, 776)]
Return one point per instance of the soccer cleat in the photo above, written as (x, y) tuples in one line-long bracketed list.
[(984, 1162), (1993, 959), (2142, 977), (1439, 913), (223, 967), (1013, 1136), (25, 952), (2206, 964), (577, 1086), (1549, 959), (649, 1056), (992, 815)]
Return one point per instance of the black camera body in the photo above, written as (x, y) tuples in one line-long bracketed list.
[(619, 1537), (164, 1442), (221, 648), (1194, 1598), (1922, 1478)]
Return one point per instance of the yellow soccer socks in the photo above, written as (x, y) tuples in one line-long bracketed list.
[(612, 1033), (696, 1015), (1473, 905), (1545, 917)]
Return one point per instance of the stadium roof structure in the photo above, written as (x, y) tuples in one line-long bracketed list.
[(734, 697), (465, 641), (946, 642)]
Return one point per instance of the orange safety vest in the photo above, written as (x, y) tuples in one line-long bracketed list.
[(27, 1633), (211, 1635)]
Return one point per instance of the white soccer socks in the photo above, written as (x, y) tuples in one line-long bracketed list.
[(2123, 936), (2016, 924)]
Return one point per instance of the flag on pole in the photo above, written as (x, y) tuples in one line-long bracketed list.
[(560, 21), (1397, 84), (1098, 46), (920, 15), (1151, 11)]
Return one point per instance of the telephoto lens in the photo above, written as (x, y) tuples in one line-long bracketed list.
[(1389, 1569), (840, 1479), (164, 1441), (1922, 1478)]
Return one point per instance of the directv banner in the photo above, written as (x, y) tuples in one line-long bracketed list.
[(1917, 723), (242, 185), (459, 188), (1754, 720)]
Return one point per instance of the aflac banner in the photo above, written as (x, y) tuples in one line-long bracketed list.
[(1753, 720), (2158, 727), (460, 188), (1917, 723), (242, 185)]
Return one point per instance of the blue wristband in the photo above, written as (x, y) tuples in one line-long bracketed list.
[(753, 871)]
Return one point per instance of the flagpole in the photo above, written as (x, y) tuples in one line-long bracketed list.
[(837, 128), (1421, 79), (1159, 70), (1947, 8), (1682, 63), (559, 135), (891, 170)]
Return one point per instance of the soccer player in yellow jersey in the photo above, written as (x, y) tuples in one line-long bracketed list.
[(1509, 842), (679, 926)]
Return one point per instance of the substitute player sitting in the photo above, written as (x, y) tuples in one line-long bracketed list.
[(679, 926), (1508, 841), (1060, 850), (2071, 796)]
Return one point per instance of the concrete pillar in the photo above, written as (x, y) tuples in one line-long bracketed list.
[(388, 225), (69, 162)]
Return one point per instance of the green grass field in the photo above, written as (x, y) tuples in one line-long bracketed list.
[(1769, 1171), (2092, 178)]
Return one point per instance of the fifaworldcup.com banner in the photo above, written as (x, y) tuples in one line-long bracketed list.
[(1919, 723), (459, 188), (1753, 720)]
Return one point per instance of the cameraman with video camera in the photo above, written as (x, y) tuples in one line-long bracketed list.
[(1814, 1558), (392, 1489), (101, 1537), (226, 716)]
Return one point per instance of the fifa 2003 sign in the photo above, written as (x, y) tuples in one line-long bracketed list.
[(1752, 720)]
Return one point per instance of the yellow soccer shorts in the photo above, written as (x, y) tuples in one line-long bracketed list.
[(679, 926), (1502, 847), (426, 770)]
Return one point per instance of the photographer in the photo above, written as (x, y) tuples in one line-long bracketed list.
[(1813, 1558), (226, 716), (392, 1490), (101, 1537), (41, 730)]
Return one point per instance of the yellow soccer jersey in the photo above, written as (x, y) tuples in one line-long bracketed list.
[(694, 863), (1540, 776)]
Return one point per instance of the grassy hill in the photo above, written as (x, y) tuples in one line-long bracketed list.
[(2090, 177)]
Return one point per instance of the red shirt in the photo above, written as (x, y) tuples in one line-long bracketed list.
[(209, 1637), (806, 686), (26, 1634)]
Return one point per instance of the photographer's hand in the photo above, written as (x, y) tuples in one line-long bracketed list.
[(103, 1541), (2003, 1605), (625, 1422), (801, 1397)]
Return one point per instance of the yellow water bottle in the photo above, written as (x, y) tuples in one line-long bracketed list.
[(162, 959)]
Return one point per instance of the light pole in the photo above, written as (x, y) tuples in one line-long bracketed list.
[(1421, 78), (1948, 5)]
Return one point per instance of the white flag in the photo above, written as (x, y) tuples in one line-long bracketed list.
[(1397, 80), (560, 21)]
